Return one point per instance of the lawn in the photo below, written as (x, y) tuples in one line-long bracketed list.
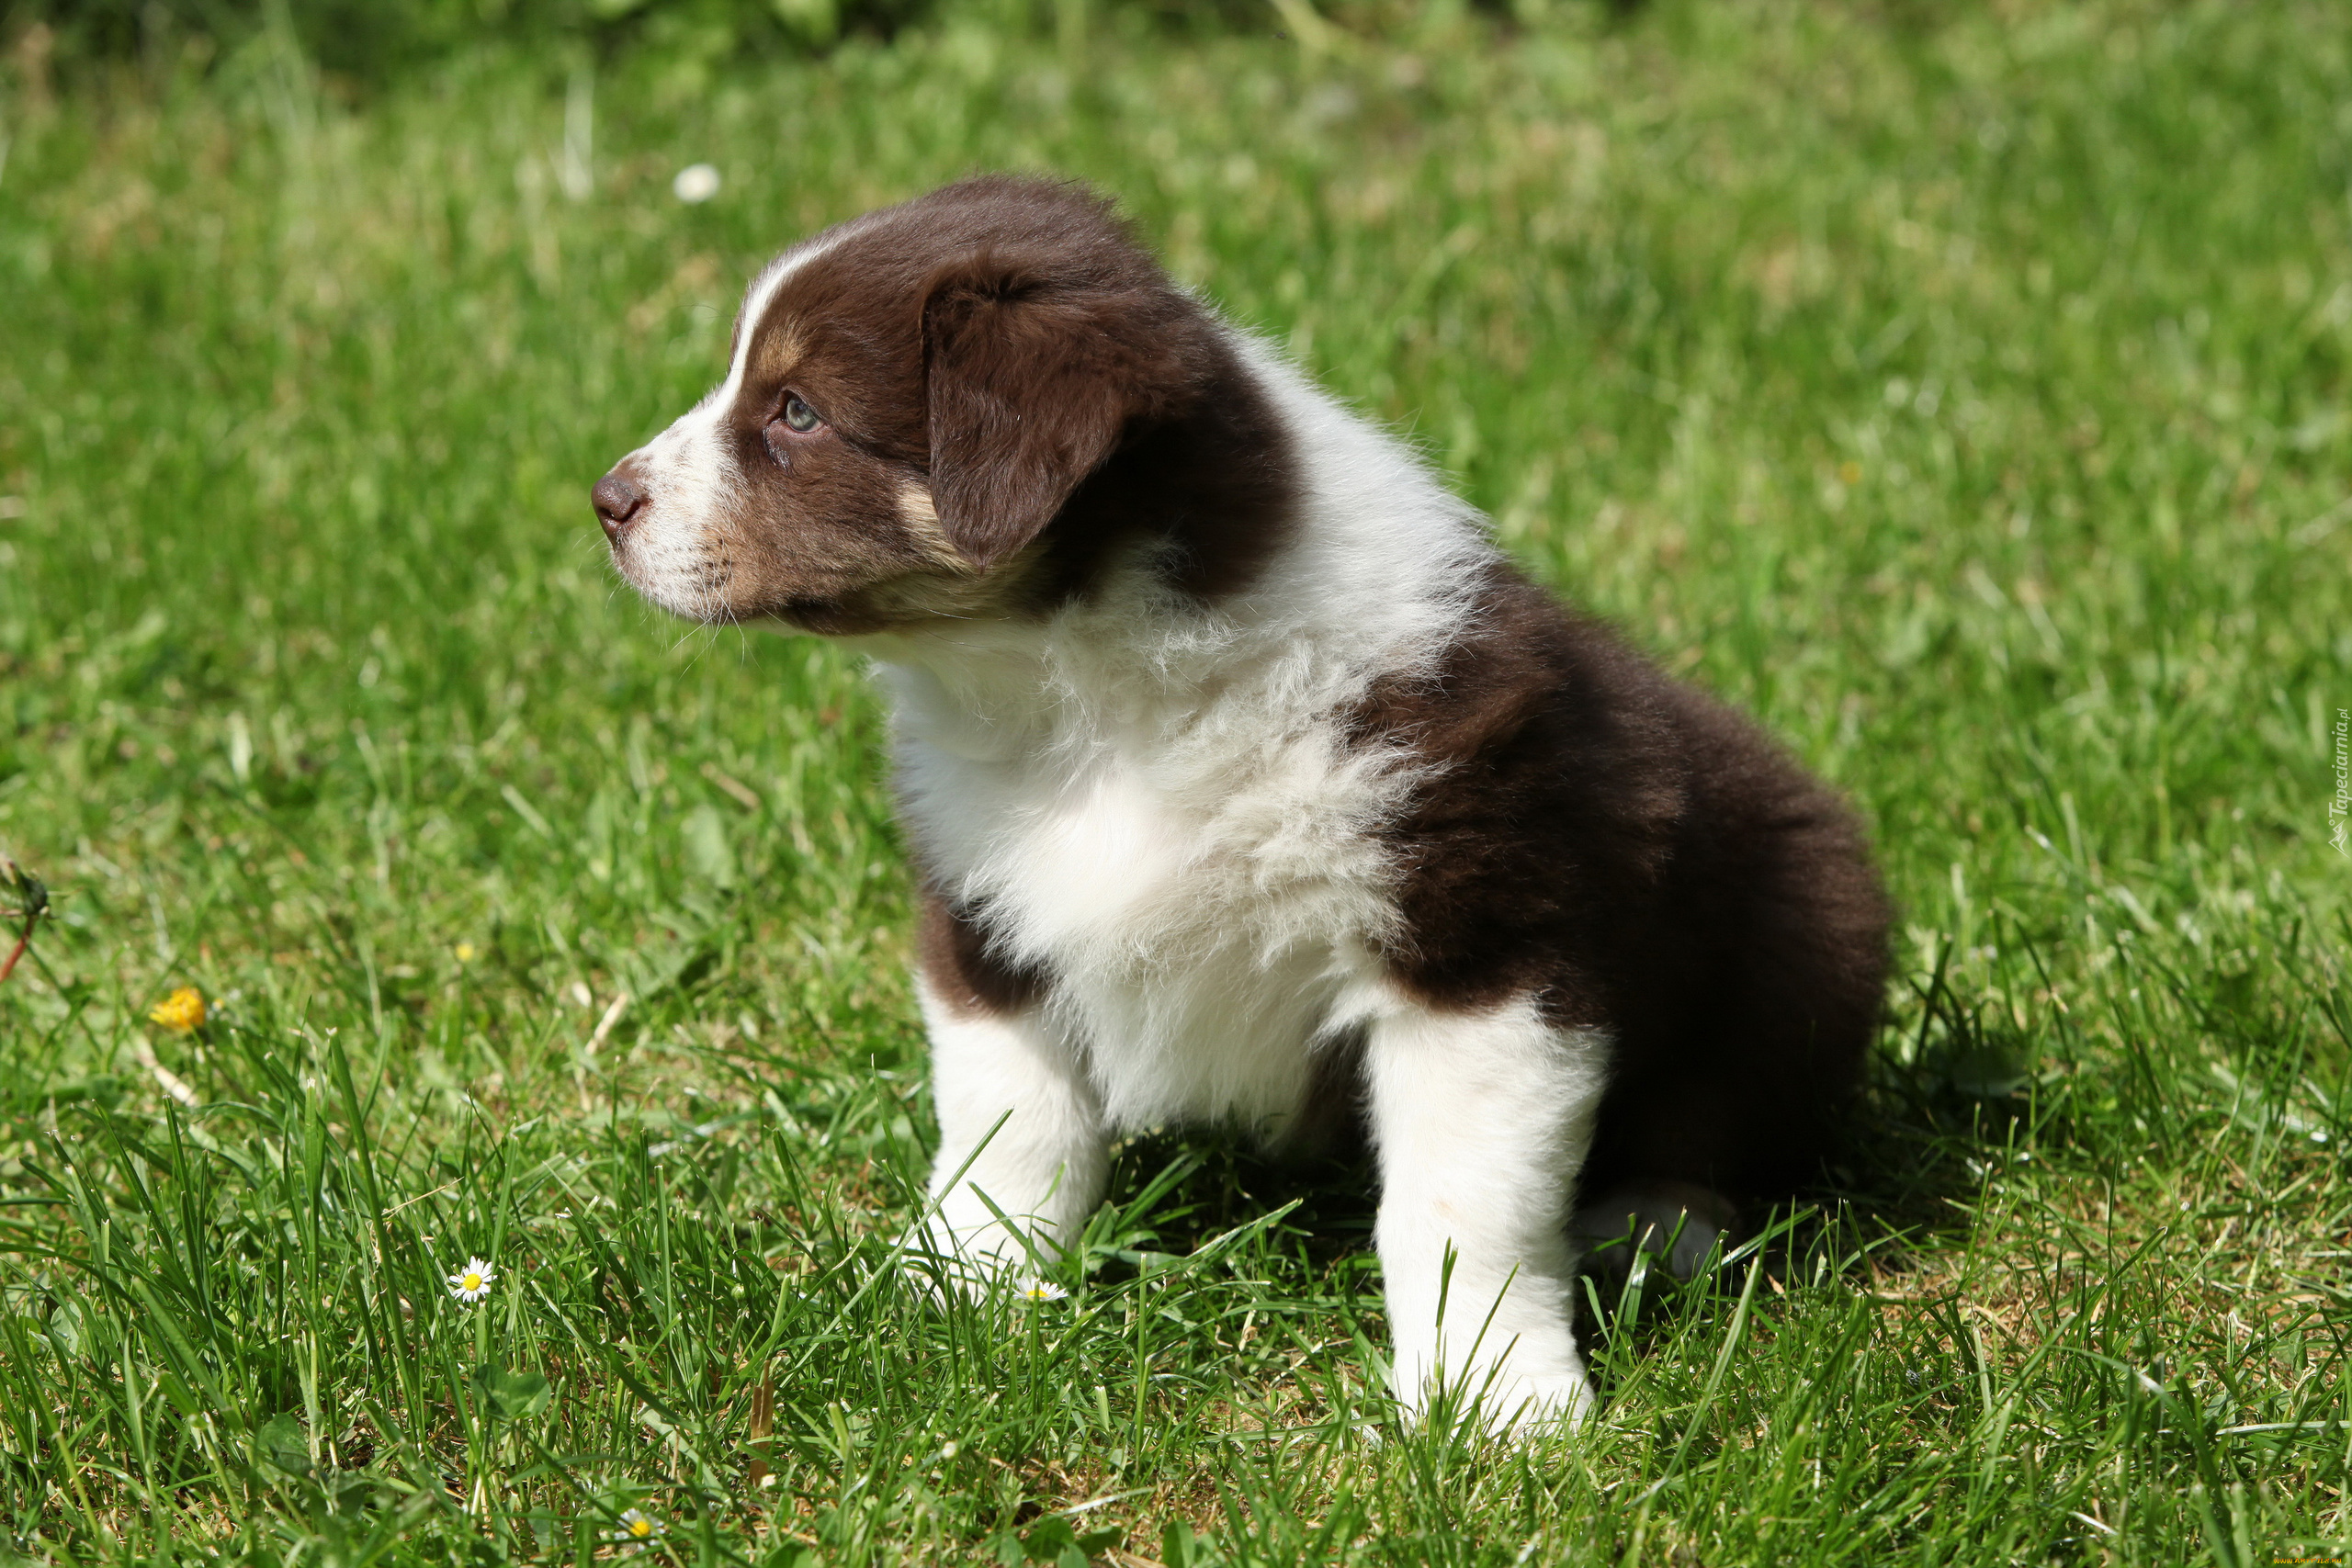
[(1962, 389)]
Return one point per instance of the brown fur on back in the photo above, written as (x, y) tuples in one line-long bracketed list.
[(1645, 860)]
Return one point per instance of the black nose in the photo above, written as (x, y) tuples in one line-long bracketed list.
[(618, 500)]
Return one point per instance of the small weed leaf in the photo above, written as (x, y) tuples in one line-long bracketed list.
[(1054, 1540), (1178, 1548), (282, 1442), (511, 1395)]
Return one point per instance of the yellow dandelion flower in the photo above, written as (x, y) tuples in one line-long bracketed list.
[(182, 1011), (465, 951)]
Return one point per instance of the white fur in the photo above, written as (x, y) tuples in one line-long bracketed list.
[(1482, 1122), (1018, 1116)]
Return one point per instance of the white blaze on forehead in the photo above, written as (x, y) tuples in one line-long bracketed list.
[(756, 301), (707, 414)]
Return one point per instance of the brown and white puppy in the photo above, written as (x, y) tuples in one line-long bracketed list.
[(1249, 782)]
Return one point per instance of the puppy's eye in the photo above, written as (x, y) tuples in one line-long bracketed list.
[(795, 418)]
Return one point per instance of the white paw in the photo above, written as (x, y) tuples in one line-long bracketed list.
[(972, 1263), (1509, 1404), (1524, 1407)]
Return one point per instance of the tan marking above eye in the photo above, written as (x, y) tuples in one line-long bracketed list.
[(776, 353)]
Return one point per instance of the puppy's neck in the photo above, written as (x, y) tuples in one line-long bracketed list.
[(1377, 568)]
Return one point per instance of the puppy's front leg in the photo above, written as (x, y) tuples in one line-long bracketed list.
[(1019, 1123), (1482, 1120)]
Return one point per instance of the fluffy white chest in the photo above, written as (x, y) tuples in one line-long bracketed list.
[(1205, 909), (1162, 807)]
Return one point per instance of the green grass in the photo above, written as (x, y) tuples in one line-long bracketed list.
[(1965, 394)]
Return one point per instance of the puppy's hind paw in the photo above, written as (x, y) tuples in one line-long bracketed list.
[(1677, 1223)]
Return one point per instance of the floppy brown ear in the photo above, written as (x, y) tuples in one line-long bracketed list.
[(1027, 397)]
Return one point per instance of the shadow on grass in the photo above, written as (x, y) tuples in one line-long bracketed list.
[(1943, 1096), (1174, 1192)]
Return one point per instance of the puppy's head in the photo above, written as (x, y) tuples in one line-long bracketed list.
[(912, 400)]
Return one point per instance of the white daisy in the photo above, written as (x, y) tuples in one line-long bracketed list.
[(1042, 1291), (638, 1531), (473, 1282), (695, 183)]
